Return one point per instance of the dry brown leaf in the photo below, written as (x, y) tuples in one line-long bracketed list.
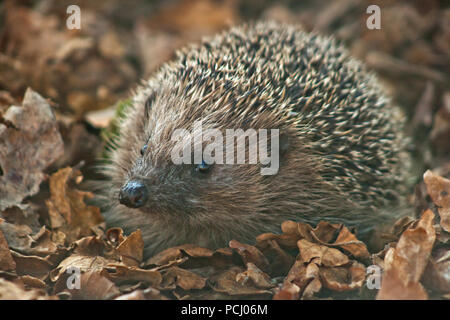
[(328, 257), (16, 291), (67, 208), (192, 256), (32, 282), (125, 273), (132, 249), (251, 254), (182, 278), (90, 254), (305, 276), (7, 262), (225, 282), (23, 214), (343, 278), (94, 286), (166, 256), (255, 276), (80, 262), (348, 242), (280, 261), (405, 264), (28, 145), (32, 265), (439, 190), (18, 236)]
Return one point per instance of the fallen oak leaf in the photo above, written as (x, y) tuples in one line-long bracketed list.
[(251, 254), (182, 278), (166, 256), (349, 243), (191, 256), (27, 148), (126, 274), (131, 249), (35, 266), (405, 264), (323, 255), (279, 260), (94, 286), (90, 253), (254, 275), (394, 288), (67, 209), (225, 282), (343, 278), (305, 277), (32, 282)]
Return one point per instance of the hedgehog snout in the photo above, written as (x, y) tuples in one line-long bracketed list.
[(133, 194)]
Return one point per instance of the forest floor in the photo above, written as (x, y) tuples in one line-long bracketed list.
[(59, 89)]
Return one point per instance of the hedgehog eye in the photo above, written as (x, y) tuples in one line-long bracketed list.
[(143, 149), (202, 167)]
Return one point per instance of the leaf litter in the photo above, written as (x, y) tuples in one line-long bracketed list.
[(49, 227)]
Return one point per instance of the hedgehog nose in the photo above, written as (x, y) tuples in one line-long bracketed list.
[(133, 194)]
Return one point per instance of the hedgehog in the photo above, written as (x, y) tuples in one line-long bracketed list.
[(343, 155)]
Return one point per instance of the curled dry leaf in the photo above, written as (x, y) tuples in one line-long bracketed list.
[(94, 286), (175, 253), (279, 260), (349, 243), (185, 279), (120, 274), (32, 282), (67, 209), (255, 276), (23, 214), (81, 263), (343, 278), (29, 143), (405, 264), (439, 190), (305, 278), (35, 266), (225, 282), (328, 257), (251, 254), (131, 249), (90, 253), (192, 256)]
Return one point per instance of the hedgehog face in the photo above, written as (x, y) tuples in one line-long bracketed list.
[(158, 185)]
